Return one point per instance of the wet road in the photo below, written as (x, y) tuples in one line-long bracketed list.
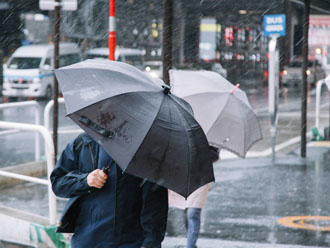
[(251, 196), (244, 206)]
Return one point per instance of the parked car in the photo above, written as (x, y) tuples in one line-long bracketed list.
[(28, 72), (131, 56), (154, 69), (292, 73)]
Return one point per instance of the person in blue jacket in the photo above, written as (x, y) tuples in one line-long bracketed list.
[(107, 208)]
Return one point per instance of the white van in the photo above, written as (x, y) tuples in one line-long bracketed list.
[(130, 56), (28, 72)]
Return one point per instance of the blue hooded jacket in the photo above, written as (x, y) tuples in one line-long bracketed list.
[(124, 213)]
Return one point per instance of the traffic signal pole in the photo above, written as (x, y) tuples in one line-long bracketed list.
[(112, 29)]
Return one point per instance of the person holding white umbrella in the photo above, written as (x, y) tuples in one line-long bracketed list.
[(193, 205), (227, 119)]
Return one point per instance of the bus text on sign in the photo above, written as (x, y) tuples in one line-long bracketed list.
[(274, 25)]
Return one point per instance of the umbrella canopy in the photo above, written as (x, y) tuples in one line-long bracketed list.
[(222, 110), (327, 82), (149, 132)]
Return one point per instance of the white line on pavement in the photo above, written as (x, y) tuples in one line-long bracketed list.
[(224, 154)]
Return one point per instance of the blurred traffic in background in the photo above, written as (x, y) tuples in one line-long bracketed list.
[(226, 37), (223, 37)]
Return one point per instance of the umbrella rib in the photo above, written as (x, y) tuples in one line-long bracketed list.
[(218, 95), (177, 105), (261, 137), (220, 113), (239, 109), (222, 146), (228, 94), (129, 163), (227, 148)]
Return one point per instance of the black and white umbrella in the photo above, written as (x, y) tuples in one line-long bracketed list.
[(149, 132)]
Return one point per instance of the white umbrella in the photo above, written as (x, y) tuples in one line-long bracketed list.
[(327, 82), (222, 109)]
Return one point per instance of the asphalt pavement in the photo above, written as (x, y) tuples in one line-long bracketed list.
[(257, 202), (254, 203)]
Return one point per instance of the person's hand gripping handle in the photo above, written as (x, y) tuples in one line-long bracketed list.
[(97, 178)]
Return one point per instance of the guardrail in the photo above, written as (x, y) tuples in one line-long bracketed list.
[(47, 110), (34, 104), (49, 150), (318, 102), (47, 114)]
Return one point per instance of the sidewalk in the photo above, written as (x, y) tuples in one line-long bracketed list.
[(251, 196), (171, 242), (245, 204)]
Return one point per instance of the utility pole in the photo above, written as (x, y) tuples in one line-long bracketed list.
[(56, 65), (56, 5), (1, 71), (304, 79), (287, 52), (112, 29), (167, 39)]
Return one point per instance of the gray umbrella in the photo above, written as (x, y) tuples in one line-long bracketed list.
[(222, 110), (149, 132)]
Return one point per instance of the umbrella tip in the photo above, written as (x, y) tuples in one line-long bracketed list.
[(166, 89), (236, 86)]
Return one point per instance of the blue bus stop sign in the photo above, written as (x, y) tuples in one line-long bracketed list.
[(274, 25)]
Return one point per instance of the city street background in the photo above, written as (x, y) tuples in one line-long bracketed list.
[(249, 196), (256, 202), (289, 123)]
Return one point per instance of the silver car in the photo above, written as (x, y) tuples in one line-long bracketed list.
[(292, 73)]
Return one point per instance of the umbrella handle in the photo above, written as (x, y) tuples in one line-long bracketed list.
[(106, 169), (236, 86), (96, 128)]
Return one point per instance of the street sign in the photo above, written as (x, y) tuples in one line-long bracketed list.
[(69, 5), (274, 25)]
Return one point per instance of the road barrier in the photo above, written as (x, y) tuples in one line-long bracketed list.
[(47, 111), (24, 104), (318, 102), (49, 150)]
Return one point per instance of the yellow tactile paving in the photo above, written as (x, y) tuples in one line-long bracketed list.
[(313, 223), (319, 144)]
